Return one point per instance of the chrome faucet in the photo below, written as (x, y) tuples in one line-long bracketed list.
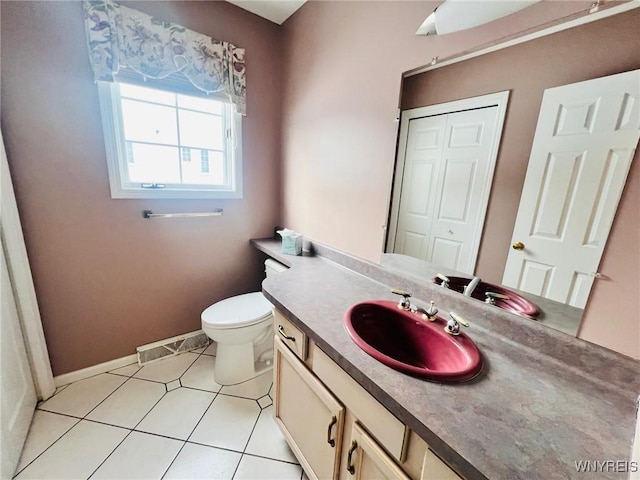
[(453, 324), (492, 296), (405, 303), (468, 290)]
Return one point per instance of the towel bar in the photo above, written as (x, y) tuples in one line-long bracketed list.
[(149, 214)]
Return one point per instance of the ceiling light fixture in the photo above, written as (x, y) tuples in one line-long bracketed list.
[(455, 15)]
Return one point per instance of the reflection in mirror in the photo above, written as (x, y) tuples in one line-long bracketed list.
[(435, 193)]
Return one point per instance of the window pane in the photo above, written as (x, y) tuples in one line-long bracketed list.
[(200, 130), (200, 104), (154, 164), (145, 122), (192, 171), (148, 94)]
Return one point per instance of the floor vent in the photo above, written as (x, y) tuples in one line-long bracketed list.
[(171, 346)]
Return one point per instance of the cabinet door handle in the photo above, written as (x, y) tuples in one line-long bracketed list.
[(330, 440), (284, 334), (350, 468)]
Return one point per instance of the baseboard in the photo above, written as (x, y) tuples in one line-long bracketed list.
[(81, 374)]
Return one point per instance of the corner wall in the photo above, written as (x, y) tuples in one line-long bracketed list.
[(106, 279)]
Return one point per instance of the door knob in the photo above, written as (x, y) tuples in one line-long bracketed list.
[(518, 246)]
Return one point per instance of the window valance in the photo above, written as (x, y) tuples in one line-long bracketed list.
[(122, 39)]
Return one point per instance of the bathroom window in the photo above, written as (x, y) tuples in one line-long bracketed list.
[(151, 135), (204, 161)]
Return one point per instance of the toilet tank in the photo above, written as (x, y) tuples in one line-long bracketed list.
[(271, 267)]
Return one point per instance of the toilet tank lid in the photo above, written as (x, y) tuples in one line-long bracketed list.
[(241, 310)]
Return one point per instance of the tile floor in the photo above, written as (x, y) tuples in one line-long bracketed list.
[(167, 420)]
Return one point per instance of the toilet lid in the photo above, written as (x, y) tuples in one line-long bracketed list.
[(238, 311)]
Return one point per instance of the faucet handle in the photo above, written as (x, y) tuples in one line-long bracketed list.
[(491, 297), (444, 280), (405, 303), (453, 325)]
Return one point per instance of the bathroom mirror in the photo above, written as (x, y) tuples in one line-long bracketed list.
[(592, 50)]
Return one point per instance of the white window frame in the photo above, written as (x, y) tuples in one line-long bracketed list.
[(121, 187)]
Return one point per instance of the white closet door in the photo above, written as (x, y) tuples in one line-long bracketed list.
[(419, 185), (447, 175), (465, 175), (585, 140)]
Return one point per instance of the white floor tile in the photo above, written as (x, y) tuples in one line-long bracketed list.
[(267, 441), (254, 388), (167, 369), (81, 397), (265, 401), (211, 349), (129, 404), (177, 413), (173, 385), (45, 429), (140, 456), (200, 375), (77, 454), (127, 371), (228, 423), (255, 468), (200, 462), (60, 388)]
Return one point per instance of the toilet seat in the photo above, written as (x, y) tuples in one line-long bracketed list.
[(236, 312)]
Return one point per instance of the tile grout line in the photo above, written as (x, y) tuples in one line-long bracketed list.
[(80, 418), (110, 453), (244, 450), (51, 445)]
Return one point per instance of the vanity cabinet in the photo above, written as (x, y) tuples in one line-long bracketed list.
[(308, 414), (334, 426)]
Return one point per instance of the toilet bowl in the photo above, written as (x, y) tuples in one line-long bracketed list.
[(242, 326)]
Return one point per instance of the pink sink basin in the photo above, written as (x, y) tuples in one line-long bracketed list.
[(515, 303), (405, 342)]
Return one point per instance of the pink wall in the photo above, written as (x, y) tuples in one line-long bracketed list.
[(343, 67), (108, 280)]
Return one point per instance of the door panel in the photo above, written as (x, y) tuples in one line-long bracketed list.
[(17, 396), (447, 173), (581, 154), (424, 150), (308, 414)]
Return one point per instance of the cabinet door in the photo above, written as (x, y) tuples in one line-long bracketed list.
[(366, 460), (310, 417)]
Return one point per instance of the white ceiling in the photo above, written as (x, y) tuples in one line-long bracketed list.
[(275, 10)]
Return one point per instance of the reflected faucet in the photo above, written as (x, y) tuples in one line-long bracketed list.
[(445, 280), (468, 290)]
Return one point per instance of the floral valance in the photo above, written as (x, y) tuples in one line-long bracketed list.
[(120, 37)]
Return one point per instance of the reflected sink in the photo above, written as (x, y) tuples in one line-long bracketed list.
[(405, 342), (515, 303)]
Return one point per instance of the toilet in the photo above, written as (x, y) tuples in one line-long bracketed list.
[(242, 326)]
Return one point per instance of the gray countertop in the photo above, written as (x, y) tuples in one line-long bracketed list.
[(544, 400)]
